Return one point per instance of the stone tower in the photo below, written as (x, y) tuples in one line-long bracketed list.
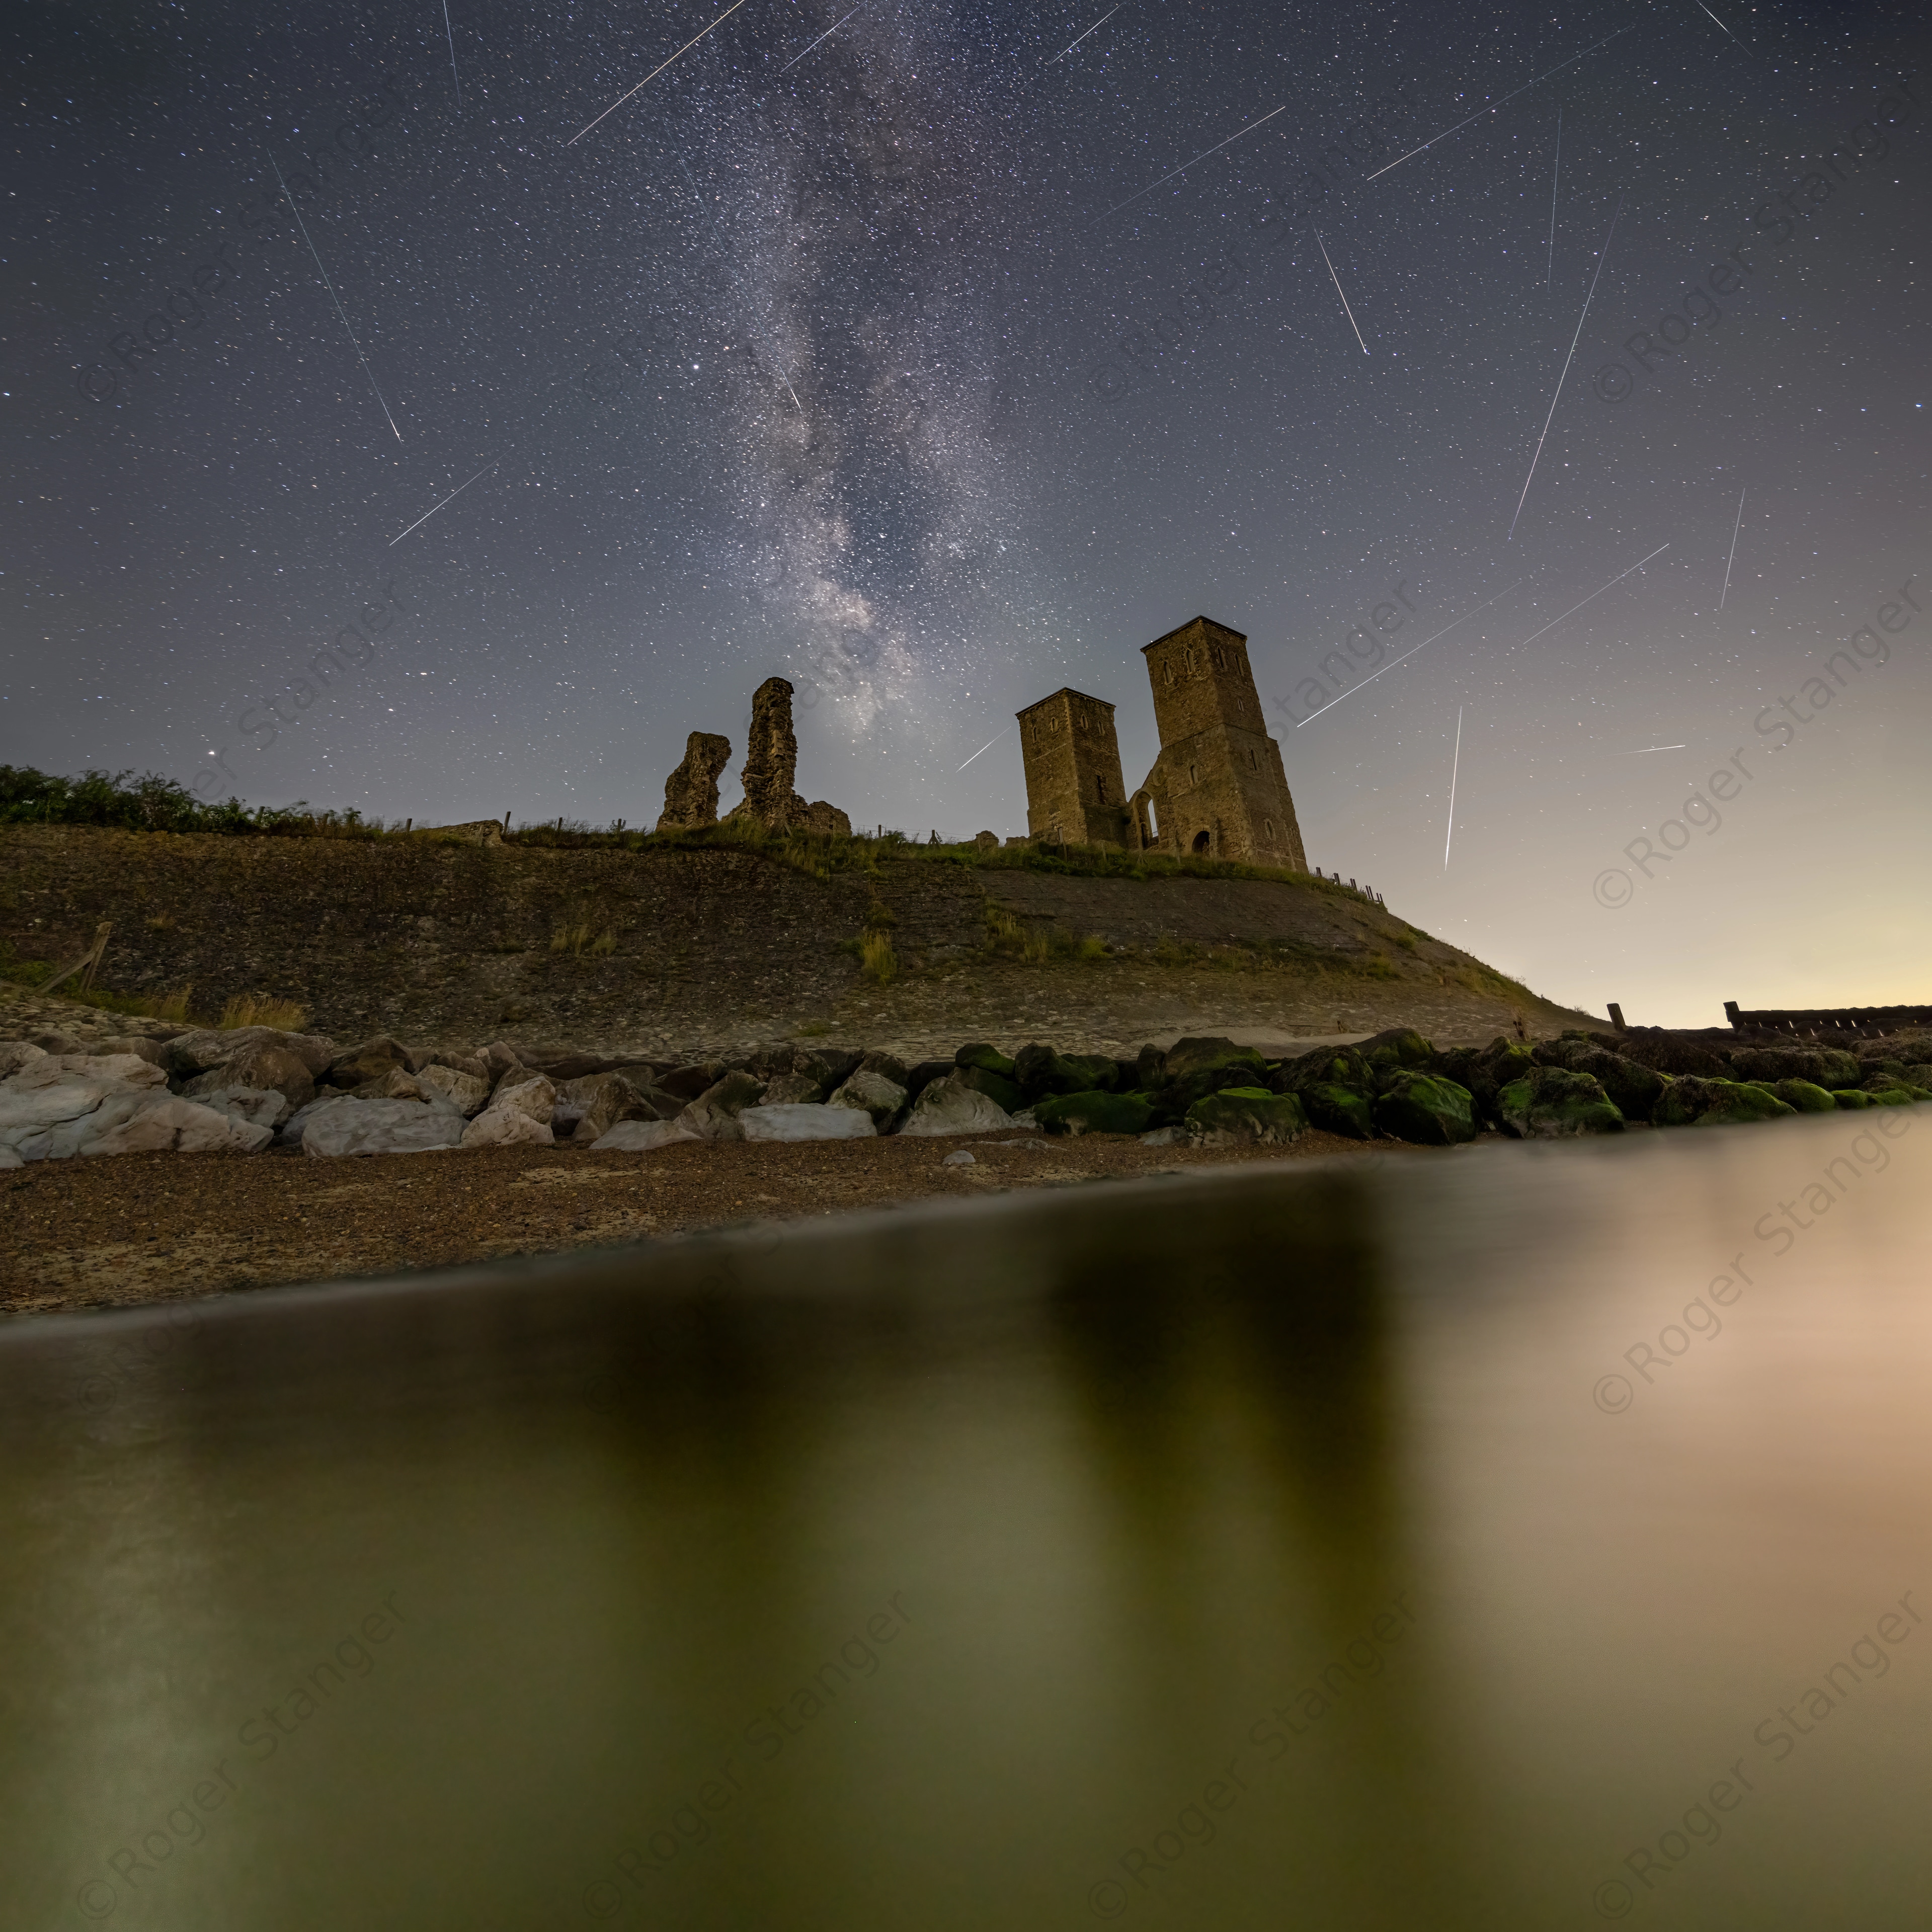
[(1074, 792), (1218, 788)]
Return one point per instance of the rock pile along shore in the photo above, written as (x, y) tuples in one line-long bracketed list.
[(205, 1090)]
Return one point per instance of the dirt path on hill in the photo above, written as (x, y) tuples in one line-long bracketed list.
[(154, 1228)]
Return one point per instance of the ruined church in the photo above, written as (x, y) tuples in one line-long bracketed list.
[(1217, 789)]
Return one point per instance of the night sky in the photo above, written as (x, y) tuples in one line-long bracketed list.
[(955, 357)]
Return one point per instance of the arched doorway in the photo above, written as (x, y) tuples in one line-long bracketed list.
[(1203, 842)]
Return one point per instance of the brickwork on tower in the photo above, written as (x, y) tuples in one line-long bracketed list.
[(1218, 787), (1075, 790)]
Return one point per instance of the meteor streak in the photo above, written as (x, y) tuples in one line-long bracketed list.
[(1597, 592), (986, 747), (1184, 166), (431, 511), (1735, 528), (1072, 44), (332, 295), (1455, 766), (1337, 280), (825, 36), (1506, 100), (658, 70), (1427, 641), (1603, 257)]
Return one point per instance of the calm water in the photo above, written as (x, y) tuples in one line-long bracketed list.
[(1258, 1551)]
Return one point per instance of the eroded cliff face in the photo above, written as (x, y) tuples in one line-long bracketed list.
[(649, 950)]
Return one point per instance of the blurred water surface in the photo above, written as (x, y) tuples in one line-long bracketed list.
[(1328, 1546)]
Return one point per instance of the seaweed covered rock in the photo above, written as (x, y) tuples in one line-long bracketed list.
[(1337, 1109), (1632, 1087), (1802, 1097), (1694, 1101), (1232, 1115), (1194, 1068), (1851, 1099), (1396, 1048), (1041, 1071), (987, 1070), (1485, 1072), (1653, 1047), (1551, 1102), (1095, 1112), (1425, 1108), (1826, 1066)]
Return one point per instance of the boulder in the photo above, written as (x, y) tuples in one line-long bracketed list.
[(797, 1122), (830, 1066), (1653, 1047), (127, 1067), (1095, 1112), (595, 1104), (1634, 1088), (469, 1063), (879, 1099), (16, 1055), (498, 1057), (1149, 1069), (1337, 1109), (1237, 1115), (1694, 1101), (137, 1044), (393, 1083), (792, 1090), (169, 1125), (465, 1092), (60, 1043), (48, 1113), (950, 1106), (1851, 1099), (686, 1083), (200, 1049), (1427, 1109), (347, 1126), (258, 1109), (641, 1137), (508, 1125), (358, 1065), (289, 1133), (1824, 1066), (1398, 1047), (1801, 1095), (1194, 1068), (889, 1064), (1551, 1102), (1039, 1071), (979, 1053), (522, 1091), (713, 1115), (920, 1077), (1003, 1092)]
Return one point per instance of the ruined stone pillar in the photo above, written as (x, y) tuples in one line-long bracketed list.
[(690, 792)]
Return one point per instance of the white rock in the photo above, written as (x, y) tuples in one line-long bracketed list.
[(259, 1106), (641, 1136), (879, 1098), (49, 1114), (16, 1055), (347, 1125), (958, 1157), (129, 1067), (463, 1091), (524, 1092), (1165, 1137), (507, 1127), (948, 1106), (167, 1125), (800, 1120), (8, 1158)]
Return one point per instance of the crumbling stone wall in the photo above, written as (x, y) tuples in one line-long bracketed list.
[(771, 767)]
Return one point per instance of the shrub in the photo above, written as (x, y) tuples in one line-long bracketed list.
[(877, 959), (251, 1010)]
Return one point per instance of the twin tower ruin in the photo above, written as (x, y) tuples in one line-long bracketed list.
[(1217, 789)]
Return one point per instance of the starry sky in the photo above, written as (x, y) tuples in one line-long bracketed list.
[(444, 413)]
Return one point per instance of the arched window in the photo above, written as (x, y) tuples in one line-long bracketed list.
[(1267, 825), (1254, 762), (1193, 776), (1100, 789)]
